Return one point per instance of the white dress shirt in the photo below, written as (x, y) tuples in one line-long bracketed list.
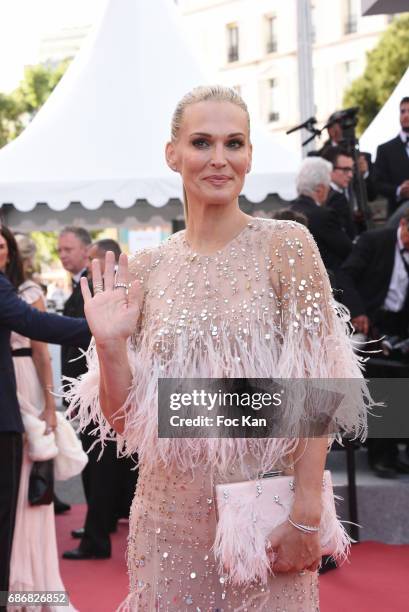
[(75, 278), (405, 139), (335, 187), (398, 286), (404, 136)]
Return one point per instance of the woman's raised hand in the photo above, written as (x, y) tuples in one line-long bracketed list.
[(113, 312)]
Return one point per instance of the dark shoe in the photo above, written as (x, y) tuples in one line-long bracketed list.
[(79, 533), (402, 467), (78, 555), (59, 506), (327, 565), (384, 471)]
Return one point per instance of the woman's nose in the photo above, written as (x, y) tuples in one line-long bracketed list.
[(218, 156)]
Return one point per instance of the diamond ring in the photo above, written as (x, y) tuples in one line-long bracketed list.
[(121, 286)]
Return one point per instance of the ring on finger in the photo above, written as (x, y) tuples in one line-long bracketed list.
[(121, 286), (98, 287)]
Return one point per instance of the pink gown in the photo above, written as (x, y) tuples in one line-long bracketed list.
[(34, 559), (260, 307)]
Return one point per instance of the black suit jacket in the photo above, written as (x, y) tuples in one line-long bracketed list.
[(391, 169), (333, 243), (73, 362), (16, 315), (365, 276), (338, 201)]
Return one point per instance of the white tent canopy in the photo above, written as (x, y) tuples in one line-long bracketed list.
[(101, 134), (382, 7), (386, 124)]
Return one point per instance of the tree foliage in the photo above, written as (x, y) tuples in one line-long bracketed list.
[(386, 64), (10, 124), (19, 107), (39, 81), (46, 243)]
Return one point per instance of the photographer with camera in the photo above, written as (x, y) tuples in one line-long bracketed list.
[(338, 128), (341, 131), (339, 195), (375, 281)]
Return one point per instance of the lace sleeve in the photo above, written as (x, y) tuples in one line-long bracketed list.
[(316, 334)]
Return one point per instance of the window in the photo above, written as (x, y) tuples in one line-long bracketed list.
[(271, 33), (351, 71), (352, 12), (273, 114), (232, 42)]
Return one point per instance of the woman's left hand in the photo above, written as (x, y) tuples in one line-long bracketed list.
[(293, 551), (49, 415)]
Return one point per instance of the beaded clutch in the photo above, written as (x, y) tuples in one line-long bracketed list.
[(248, 511)]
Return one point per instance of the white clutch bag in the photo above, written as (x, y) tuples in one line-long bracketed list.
[(71, 459), (247, 513)]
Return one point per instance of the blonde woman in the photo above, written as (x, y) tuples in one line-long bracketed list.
[(227, 297)]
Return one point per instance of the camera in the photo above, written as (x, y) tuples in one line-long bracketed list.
[(347, 118)]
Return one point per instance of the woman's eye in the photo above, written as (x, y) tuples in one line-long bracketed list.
[(200, 143), (235, 144)]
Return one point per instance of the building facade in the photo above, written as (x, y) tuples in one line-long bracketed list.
[(252, 45), (61, 45)]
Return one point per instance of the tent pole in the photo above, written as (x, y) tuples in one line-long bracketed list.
[(305, 73)]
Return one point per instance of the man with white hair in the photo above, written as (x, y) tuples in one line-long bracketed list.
[(313, 184)]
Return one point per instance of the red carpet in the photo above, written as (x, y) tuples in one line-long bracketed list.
[(98, 585), (375, 579)]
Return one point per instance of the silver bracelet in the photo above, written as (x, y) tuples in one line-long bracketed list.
[(303, 528)]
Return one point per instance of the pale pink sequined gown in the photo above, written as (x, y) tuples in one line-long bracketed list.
[(260, 307)]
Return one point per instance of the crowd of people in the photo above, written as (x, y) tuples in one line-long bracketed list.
[(369, 269), (215, 269)]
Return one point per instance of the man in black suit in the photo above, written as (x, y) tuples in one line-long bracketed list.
[(16, 315), (313, 183), (109, 482), (392, 163), (375, 281), (72, 248), (339, 196)]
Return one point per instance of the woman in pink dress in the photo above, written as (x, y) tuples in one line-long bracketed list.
[(229, 297), (34, 560)]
